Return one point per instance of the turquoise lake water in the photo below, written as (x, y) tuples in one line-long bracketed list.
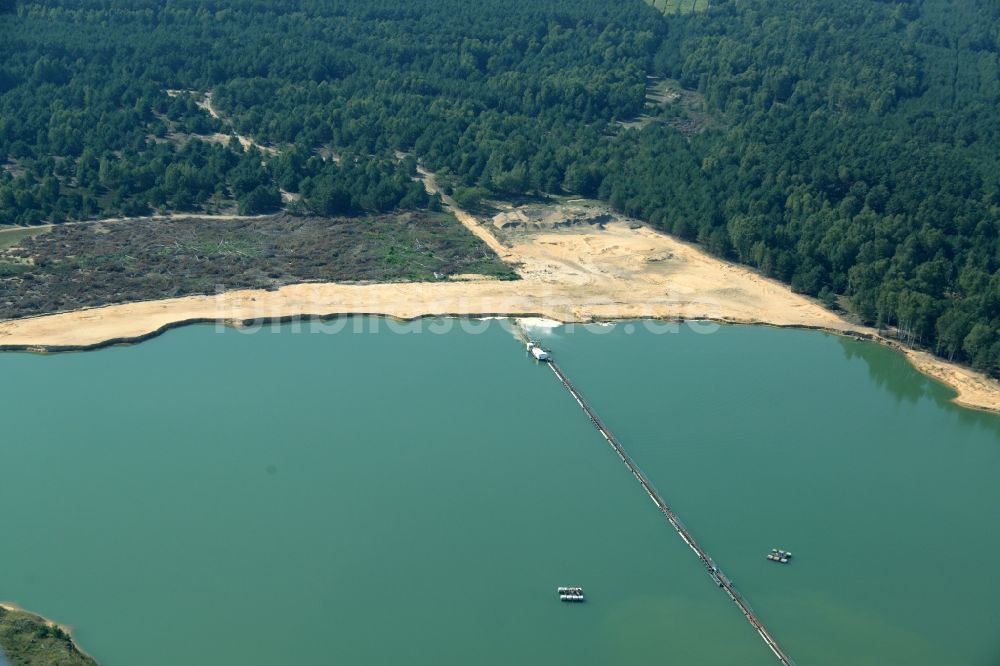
[(403, 496)]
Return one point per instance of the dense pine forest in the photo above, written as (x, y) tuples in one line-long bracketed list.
[(848, 148)]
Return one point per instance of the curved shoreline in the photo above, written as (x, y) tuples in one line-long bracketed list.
[(573, 275), (14, 608), (973, 390)]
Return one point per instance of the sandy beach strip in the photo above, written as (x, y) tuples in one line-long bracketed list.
[(579, 274)]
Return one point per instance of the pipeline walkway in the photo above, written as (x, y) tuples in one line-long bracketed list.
[(713, 570)]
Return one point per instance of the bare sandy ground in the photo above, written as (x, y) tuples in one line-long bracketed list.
[(975, 390), (245, 141), (577, 274), (571, 275)]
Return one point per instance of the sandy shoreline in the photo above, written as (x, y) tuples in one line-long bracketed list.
[(14, 608), (571, 275)]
